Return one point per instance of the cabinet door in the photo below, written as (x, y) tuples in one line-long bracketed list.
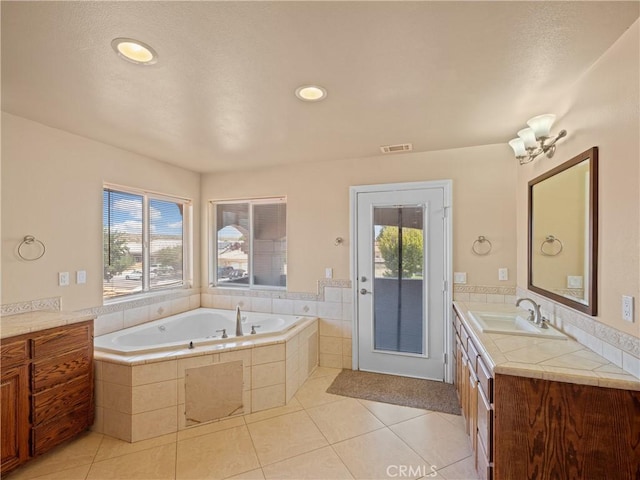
[(14, 405)]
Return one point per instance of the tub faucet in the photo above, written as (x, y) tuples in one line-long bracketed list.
[(238, 322), (537, 316)]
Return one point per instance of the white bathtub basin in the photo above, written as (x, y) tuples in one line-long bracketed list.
[(512, 324)]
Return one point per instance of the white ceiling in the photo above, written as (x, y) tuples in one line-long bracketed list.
[(221, 97)]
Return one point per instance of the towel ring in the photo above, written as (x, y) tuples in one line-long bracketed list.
[(30, 240), (551, 240), (476, 245)]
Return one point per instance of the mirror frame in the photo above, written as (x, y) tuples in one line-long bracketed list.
[(592, 249)]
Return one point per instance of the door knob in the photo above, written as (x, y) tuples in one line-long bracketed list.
[(364, 291)]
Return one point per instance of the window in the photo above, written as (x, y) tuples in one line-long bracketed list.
[(144, 247), (250, 243)]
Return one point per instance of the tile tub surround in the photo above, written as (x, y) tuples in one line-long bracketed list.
[(548, 359), (332, 305), (135, 310), (142, 397), (619, 348)]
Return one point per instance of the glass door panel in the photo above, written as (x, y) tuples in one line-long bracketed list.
[(398, 250)]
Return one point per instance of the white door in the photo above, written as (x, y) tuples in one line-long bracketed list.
[(400, 271)]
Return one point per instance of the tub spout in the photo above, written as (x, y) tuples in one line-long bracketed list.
[(238, 322)]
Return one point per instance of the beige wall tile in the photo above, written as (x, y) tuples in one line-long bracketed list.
[(98, 393), (153, 424), (292, 345), (244, 355), (267, 374), (180, 305), (155, 372), (136, 316), (330, 327), (154, 396), (194, 301), (117, 424), (270, 353), (262, 305), (347, 346), (160, 310), (267, 397), (98, 422), (108, 323), (331, 361), (116, 373), (116, 397), (206, 300), (347, 363), (193, 362), (331, 345)]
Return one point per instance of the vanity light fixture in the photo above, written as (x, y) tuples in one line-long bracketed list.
[(536, 139), (134, 51), (311, 93)]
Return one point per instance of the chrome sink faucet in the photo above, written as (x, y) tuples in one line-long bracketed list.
[(537, 316), (238, 322)]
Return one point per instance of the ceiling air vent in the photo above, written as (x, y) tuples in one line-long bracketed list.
[(401, 147)]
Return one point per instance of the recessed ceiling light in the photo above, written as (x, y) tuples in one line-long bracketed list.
[(134, 51), (311, 93)]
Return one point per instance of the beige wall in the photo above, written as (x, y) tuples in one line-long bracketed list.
[(318, 207), (602, 110), (52, 189)]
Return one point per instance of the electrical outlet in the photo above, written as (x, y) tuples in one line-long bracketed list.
[(328, 272), (63, 279), (627, 308), (503, 274), (81, 277)]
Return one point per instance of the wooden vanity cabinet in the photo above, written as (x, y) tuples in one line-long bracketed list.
[(47, 390), (474, 385), (523, 427), (14, 404)]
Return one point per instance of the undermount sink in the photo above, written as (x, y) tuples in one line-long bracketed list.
[(512, 324)]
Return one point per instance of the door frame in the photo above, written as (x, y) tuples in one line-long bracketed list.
[(447, 187)]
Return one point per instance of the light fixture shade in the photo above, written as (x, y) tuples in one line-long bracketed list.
[(528, 137), (541, 125), (518, 147)]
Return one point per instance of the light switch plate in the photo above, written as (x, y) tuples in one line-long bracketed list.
[(63, 279), (627, 308), (459, 277), (81, 277), (328, 272)]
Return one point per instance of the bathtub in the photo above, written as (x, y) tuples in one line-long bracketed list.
[(195, 328)]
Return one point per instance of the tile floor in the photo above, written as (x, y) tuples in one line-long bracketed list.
[(316, 436)]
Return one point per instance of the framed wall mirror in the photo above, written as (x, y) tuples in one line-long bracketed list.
[(563, 233)]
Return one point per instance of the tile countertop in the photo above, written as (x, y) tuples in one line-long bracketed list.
[(14, 325), (548, 359)]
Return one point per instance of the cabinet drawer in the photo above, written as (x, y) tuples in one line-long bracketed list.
[(485, 425), (47, 373), (472, 352), (46, 436), (62, 340), (14, 353), (483, 465), (62, 399), (457, 323), (485, 379), (464, 336)]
